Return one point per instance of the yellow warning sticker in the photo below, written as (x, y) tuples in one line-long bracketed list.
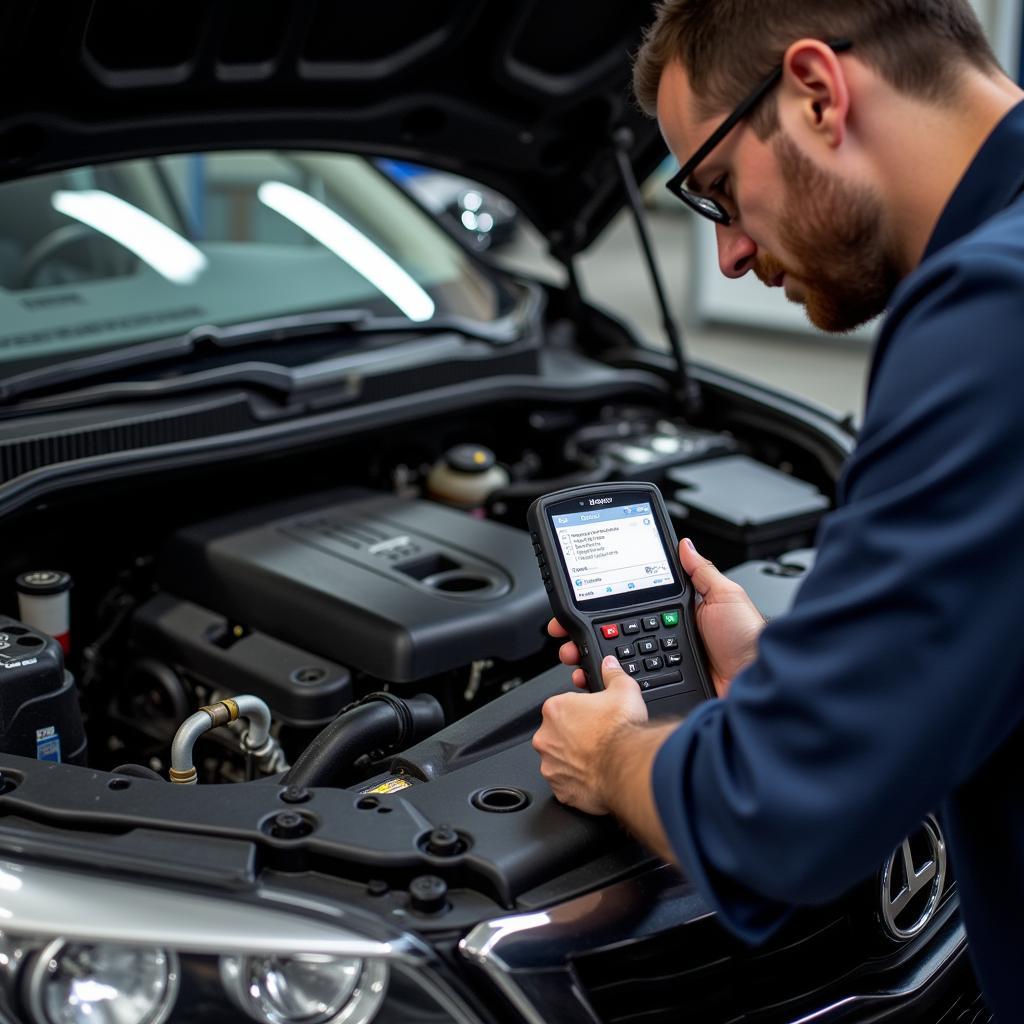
[(394, 785)]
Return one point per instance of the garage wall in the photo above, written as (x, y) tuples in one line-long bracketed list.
[(714, 299)]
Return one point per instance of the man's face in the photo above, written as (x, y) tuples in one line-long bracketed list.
[(844, 271), (795, 225)]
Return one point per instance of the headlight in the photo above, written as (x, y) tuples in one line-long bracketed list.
[(76, 984), (80, 948), (305, 989)]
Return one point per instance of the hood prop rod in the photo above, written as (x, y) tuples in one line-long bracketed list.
[(622, 140)]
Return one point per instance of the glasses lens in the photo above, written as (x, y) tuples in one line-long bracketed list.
[(705, 207)]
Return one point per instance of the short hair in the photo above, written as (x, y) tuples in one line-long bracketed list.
[(921, 47)]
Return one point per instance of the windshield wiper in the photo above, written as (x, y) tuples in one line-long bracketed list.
[(208, 339)]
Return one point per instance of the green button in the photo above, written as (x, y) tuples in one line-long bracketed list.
[(670, 618)]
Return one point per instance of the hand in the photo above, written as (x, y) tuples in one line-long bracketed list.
[(578, 737), (728, 622)]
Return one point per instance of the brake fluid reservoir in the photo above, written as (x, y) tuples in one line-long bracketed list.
[(466, 475)]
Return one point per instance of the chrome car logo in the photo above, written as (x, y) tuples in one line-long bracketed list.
[(912, 882)]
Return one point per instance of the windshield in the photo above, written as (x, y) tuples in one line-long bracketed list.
[(107, 256)]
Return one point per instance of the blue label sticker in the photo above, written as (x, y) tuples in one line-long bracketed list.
[(48, 744)]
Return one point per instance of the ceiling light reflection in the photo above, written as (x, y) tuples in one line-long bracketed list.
[(9, 882), (157, 245), (349, 244)]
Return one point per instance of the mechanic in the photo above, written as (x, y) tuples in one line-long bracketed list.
[(880, 166)]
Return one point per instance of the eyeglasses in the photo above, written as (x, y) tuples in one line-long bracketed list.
[(705, 205)]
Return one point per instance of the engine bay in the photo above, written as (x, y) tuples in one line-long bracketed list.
[(357, 587)]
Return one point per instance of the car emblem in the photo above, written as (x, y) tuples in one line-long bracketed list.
[(912, 882)]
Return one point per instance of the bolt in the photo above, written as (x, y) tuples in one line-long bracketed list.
[(428, 894), (309, 675), (289, 825), (295, 795), (377, 887), (444, 842)]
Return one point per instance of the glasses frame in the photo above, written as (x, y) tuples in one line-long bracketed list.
[(705, 205)]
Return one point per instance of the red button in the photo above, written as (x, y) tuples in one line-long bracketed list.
[(610, 632)]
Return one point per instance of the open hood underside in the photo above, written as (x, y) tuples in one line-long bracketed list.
[(524, 96)]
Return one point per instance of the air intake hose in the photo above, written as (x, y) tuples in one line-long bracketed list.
[(380, 721)]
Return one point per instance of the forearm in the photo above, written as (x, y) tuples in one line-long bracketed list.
[(626, 783)]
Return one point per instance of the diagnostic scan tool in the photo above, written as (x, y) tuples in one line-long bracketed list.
[(610, 564)]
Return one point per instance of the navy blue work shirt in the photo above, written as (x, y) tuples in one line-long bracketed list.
[(895, 686)]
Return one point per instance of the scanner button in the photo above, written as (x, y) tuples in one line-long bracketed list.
[(653, 664), (673, 659), (633, 626), (665, 679), (669, 643), (647, 646), (610, 632), (670, 619), (632, 667), (651, 622), (625, 651)]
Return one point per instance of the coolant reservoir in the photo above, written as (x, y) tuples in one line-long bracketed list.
[(466, 475)]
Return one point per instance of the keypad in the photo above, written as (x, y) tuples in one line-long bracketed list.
[(653, 654)]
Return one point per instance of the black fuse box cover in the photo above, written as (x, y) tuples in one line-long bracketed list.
[(39, 712), (743, 509), (396, 588)]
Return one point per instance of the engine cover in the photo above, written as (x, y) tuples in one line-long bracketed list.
[(397, 588)]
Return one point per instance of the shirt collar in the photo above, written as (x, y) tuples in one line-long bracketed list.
[(992, 182)]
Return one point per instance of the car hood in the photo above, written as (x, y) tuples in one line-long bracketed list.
[(524, 96)]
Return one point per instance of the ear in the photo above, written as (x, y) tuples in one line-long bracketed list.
[(814, 91)]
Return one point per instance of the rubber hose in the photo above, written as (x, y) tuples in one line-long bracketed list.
[(138, 771), (379, 722), (597, 474)]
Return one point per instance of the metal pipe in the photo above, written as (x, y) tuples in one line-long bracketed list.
[(256, 740)]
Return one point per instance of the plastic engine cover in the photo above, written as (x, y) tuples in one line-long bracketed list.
[(396, 588)]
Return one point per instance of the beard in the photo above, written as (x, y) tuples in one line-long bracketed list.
[(839, 250)]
